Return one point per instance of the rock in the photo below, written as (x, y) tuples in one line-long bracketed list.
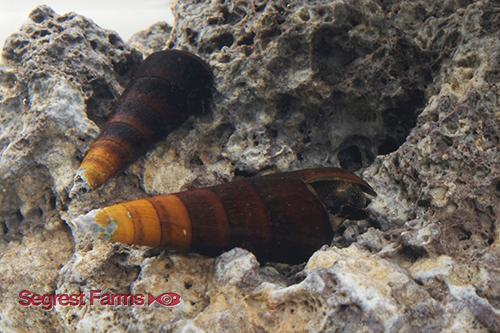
[(237, 266), (405, 92), (32, 264), (60, 75), (152, 39), (448, 171)]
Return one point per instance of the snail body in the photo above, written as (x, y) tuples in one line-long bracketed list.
[(283, 217), (167, 88)]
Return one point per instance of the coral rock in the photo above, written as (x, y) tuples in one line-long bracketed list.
[(406, 92)]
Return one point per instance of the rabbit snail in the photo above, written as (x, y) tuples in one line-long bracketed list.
[(167, 88), (283, 217)]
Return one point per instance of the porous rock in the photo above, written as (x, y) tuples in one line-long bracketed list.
[(152, 39), (404, 91), (60, 74)]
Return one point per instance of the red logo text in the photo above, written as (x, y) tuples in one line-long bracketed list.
[(96, 298)]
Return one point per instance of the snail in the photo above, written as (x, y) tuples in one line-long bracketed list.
[(282, 217), (167, 88)]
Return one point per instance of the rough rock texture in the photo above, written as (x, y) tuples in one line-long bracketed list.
[(404, 91), (152, 39), (61, 74)]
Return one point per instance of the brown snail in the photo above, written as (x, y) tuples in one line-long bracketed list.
[(167, 88), (283, 217)]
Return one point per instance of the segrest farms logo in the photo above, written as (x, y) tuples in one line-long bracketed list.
[(47, 302)]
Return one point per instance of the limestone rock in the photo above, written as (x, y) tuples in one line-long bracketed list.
[(152, 39), (406, 92), (62, 73), (59, 77)]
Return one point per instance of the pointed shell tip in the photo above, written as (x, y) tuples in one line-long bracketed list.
[(80, 185), (86, 227)]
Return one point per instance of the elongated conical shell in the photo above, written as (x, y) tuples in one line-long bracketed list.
[(277, 217), (167, 88)]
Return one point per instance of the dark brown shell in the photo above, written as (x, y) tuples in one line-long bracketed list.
[(278, 217), (167, 88)]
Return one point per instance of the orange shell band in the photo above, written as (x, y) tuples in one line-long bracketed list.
[(98, 166), (162, 221)]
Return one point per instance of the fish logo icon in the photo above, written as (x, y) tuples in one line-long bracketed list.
[(165, 299)]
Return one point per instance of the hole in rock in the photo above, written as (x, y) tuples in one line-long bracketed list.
[(19, 215), (5, 228), (196, 161), (259, 5), (11, 226), (52, 201), (247, 39), (461, 233), (113, 39), (355, 153), (192, 36), (413, 253), (284, 102), (101, 101), (350, 158), (243, 173), (225, 39), (232, 17), (387, 146), (399, 120)]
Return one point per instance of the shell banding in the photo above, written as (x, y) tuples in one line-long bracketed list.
[(167, 88), (278, 217)]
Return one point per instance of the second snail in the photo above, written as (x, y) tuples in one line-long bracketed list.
[(283, 217), (167, 88)]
